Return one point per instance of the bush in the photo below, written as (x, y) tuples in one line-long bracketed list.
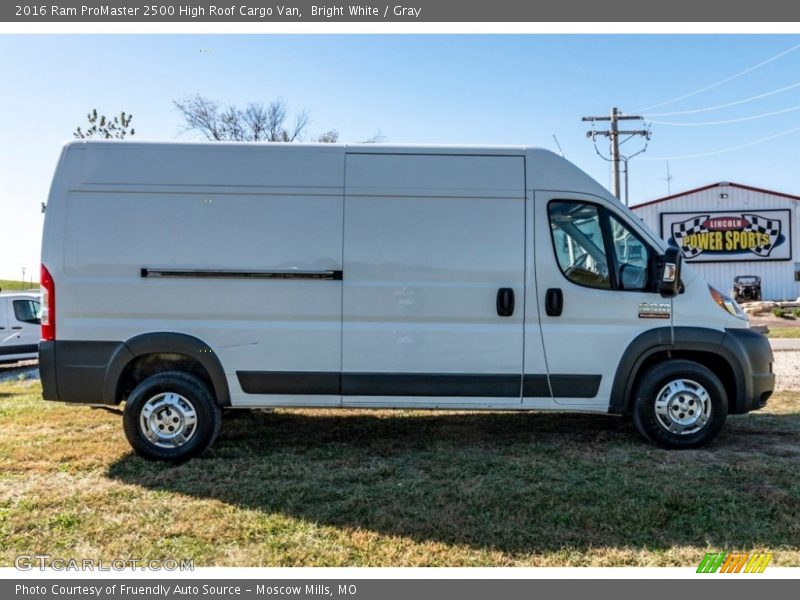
[(796, 312), (778, 312)]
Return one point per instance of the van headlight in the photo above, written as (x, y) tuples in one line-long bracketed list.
[(728, 303)]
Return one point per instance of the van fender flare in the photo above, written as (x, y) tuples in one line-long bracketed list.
[(666, 339), (165, 343)]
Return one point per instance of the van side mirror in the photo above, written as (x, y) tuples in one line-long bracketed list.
[(670, 277)]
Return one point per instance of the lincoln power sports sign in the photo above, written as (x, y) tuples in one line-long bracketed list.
[(712, 236)]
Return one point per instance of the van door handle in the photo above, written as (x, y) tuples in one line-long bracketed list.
[(554, 302), (505, 302), (16, 327)]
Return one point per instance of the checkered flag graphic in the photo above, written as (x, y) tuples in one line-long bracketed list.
[(761, 225), (687, 228)]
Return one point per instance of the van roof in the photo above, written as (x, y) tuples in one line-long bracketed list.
[(297, 146), (201, 163)]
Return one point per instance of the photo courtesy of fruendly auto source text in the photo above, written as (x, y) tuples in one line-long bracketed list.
[(375, 300)]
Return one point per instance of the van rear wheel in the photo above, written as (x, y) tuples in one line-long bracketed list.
[(171, 416), (679, 404)]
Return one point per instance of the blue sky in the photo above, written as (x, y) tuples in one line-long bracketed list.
[(451, 89)]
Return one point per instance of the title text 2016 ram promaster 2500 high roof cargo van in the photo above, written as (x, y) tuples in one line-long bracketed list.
[(184, 278)]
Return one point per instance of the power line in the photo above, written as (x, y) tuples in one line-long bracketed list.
[(726, 105), (720, 82), (728, 121), (724, 150)]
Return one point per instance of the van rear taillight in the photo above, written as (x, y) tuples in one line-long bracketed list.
[(48, 306)]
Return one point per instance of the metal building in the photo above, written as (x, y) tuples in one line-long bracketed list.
[(728, 229)]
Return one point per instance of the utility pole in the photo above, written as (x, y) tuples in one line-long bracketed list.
[(613, 134)]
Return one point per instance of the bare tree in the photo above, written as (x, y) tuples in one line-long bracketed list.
[(332, 136), (201, 114), (103, 127), (329, 137), (254, 123)]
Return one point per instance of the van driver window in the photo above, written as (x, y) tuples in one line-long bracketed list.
[(578, 242)]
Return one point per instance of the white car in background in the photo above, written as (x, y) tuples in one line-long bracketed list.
[(20, 321)]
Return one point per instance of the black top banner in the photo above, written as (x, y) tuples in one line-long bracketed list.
[(409, 11)]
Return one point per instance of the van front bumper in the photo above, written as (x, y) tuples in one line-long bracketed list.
[(756, 381)]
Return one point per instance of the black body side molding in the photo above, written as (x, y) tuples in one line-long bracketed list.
[(463, 385)]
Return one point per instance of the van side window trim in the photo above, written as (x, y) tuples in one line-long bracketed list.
[(147, 272)]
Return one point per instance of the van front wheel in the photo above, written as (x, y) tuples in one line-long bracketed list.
[(679, 404), (171, 416)]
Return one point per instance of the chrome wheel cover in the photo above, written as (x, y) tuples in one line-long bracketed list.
[(683, 407), (168, 420)]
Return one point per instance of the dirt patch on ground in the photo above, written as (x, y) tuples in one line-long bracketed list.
[(773, 322)]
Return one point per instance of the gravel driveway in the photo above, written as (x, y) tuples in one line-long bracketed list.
[(787, 371)]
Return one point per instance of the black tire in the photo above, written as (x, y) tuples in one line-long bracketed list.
[(660, 414), (189, 395)]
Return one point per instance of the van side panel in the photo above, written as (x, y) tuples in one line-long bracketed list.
[(429, 243), (281, 324), (231, 165), (220, 240)]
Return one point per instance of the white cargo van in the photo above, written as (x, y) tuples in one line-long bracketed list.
[(19, 326), (183, 278)]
